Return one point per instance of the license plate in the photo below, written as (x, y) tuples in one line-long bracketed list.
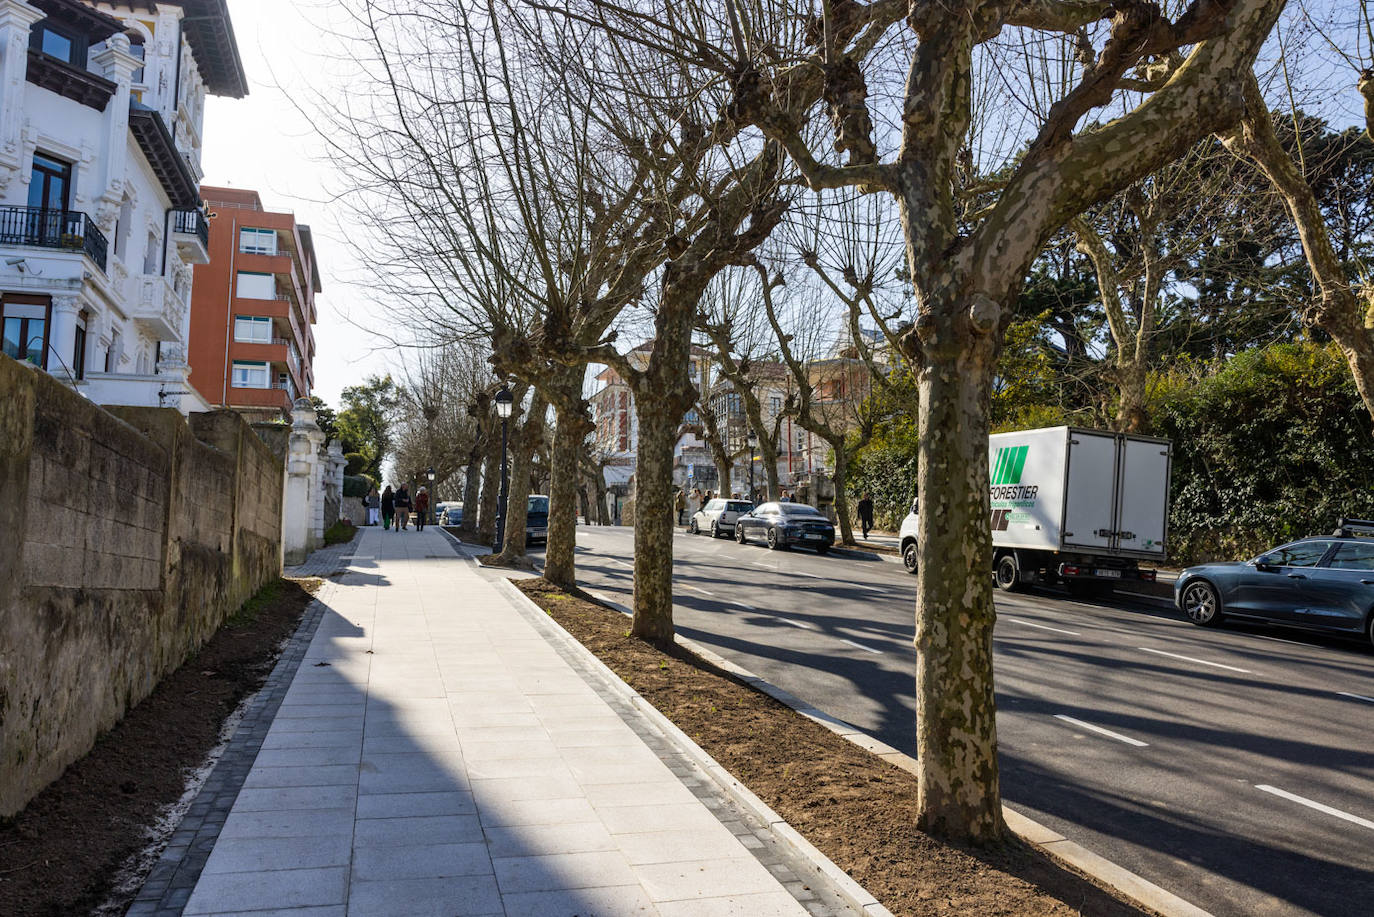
[(1110, 574), (816, 537)]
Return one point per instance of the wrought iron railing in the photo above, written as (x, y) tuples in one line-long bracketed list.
[(192, 221), (70, 230)]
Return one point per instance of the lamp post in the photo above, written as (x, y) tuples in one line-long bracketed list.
[(753, 441), (429, 476), (503, 409)]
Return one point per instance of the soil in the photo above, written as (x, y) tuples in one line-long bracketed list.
[(63, 854), (852, 805)]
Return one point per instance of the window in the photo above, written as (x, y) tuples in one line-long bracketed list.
[(57, 42), (258, 241), (79, 350), (1354, 555), (150, 254), (50, 184), (26, 332), (112, 355), (250, 375), (137, 50), (252, 329), (126, 218), (1303, 554), (775, 404), (249, 285)]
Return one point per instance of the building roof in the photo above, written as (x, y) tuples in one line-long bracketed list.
[(308, 240), (93, 23)]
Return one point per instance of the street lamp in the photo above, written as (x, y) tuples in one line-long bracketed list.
[(429, 475), (753, 439), (503, 408)]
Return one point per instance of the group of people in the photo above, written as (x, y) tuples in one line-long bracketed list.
[(398, 508)]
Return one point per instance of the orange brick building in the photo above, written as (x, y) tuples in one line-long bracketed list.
[(251, 346)]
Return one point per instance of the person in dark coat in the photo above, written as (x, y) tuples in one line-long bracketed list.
[(403, 507), (866, 512), (421, 508), (388, 506)]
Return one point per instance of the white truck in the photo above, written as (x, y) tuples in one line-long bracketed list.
[(1072, 506)]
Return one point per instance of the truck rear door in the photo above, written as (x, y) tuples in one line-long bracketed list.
[(1141, 516), (1090, 491)]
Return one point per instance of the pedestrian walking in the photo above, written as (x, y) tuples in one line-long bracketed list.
[(403, 505), (421, 508), (866, 512), (681, 505), (373, 502), (388, 503)]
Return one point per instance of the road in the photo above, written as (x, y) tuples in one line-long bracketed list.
[(1233, 767)]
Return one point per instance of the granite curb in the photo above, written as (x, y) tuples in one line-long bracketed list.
[(1134, 887)]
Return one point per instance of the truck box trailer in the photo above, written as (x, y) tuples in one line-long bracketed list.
[(1073, 506)]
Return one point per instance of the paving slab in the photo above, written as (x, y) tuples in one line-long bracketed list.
[(434, 749)]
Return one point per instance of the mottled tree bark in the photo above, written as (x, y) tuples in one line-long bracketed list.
[(841, 480), (570, 434), (655, 516), (525, 443), (714, 441), (491, 487)]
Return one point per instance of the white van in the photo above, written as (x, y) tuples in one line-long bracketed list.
[(718, 517)]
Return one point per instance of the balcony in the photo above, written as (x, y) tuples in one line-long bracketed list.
[(65, 230), (159, 310), (191, 231), (275, 396)]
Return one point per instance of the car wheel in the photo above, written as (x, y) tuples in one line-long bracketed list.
[(773, 544), (1201, 603), (1007, 573), (715, 529), (739, 534), (909, 557), (1369, 631), (695, 529)]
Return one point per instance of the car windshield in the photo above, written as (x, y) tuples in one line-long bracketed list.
[(798, 509), (539, 505)]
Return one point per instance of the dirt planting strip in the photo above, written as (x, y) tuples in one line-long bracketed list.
[(853, 806)]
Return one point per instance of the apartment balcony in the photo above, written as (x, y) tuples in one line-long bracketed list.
[(64, 230), (159, 310), (191, 232), (277, 351), (275, 396)]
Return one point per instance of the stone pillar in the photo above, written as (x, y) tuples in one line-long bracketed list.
[(16, 19), (302, 504), (333, 467), (116, 64), (62, 336)]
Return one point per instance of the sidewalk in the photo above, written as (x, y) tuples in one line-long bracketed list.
[(435, 753)]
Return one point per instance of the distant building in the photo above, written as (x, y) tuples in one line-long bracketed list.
[(252, 346), (100, 222)]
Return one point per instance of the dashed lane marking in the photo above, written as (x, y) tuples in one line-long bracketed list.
[(1106, 732), (1356, 696), (1217, 665), (802, 624), (744, 605), (867, 649), (1057, 630), (1313, 804)]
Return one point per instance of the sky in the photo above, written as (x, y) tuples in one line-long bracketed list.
[(262, 143)]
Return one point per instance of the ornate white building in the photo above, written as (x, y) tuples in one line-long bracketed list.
[(101, 109)]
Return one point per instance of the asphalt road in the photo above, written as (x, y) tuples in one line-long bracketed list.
[(1233, 767)]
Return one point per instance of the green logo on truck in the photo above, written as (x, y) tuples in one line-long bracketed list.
[(1007, 465)]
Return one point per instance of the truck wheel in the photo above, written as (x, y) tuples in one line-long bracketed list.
[(1007, 574), (909, 557), (1201, 603)]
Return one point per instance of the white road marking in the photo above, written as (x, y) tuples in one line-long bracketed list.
[(1106, 732), (867, 649), (801, 624), (698, 589), (1356, 696), (1312, 804), (1071, 633), (1229, 668), (620, 563), (808, 575), (1281, 640), (759, 563), (744, 606)]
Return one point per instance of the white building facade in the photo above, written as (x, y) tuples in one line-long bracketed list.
[(101, 109)]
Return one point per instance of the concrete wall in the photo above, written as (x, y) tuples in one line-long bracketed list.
[(129, 537)]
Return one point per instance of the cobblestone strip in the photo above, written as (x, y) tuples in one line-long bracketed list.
[(169, 884), (327, 561), (796, 873)]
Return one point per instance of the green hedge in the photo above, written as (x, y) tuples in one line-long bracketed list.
[(356, 485), (1274, 445)]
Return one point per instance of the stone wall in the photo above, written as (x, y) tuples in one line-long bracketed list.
[(129, 537)]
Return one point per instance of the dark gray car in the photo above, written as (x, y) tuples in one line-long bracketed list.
[(1320, 583), (782, 525)]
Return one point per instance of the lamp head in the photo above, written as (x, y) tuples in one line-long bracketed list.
[(503, 403), (753, 438), (430, 474)]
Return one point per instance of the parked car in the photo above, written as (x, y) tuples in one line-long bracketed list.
[(452, 514), (782, 525), (537, 520), (718, 517), (1319, 583), (906, 537)]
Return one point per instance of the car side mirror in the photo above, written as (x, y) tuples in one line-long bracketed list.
[(1267, 562)]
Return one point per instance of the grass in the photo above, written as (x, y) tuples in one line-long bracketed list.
[(248, 612), (339, 532)]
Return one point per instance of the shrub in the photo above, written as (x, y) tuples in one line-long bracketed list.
[(356, 485), (1274, 445), (356, 463), (339, 532)]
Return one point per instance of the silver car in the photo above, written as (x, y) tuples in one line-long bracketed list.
[(718, 517)]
